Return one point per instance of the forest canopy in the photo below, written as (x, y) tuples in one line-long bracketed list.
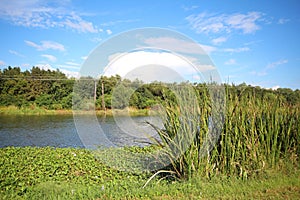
[(52, 89)]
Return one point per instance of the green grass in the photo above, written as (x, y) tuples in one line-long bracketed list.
[(255, 136), (13, 110), (66, 173), (255, 157), (34, 110), (277, 187)]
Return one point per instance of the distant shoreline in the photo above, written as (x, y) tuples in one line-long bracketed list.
[(13, 110)]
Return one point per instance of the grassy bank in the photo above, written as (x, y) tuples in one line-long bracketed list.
[(66, 173), (33, 110), (256, 156)]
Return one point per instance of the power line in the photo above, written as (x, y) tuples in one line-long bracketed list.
[(46, 78)]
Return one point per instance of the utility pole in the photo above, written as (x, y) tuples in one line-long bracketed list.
[(95, 90), (103, 102)]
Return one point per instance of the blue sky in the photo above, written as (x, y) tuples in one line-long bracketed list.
[(250, 41)]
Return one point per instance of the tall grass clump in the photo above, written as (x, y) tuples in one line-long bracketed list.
[(243, 139), (191, 128), (258, 133)]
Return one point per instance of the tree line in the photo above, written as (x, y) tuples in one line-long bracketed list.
[(52, 89)]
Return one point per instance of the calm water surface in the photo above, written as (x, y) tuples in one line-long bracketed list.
[(60, 131)]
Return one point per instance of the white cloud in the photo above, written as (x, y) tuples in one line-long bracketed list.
[(208, 49), (268, 67), (44, 14), (181, 46), (16, 53), (68, 73), (72, 63), (275, 87), (219, 40), (67, 67), (75, 22), (236, 50), (2, 63), (70, 68), (275, 64), (213, 23), (261, 73), (115, 56), (84, 57), (244, 22), (51, 58), (196, 77), (109, 32), (96, 39), (25, 65), (189, 8), (283, 21), (254, 42), (230, 62), (45, 45), (150, 65), (114, 23)]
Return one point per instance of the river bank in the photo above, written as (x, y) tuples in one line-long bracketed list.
[(33, 110)]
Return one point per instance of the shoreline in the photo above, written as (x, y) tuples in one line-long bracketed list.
[(13, 110)]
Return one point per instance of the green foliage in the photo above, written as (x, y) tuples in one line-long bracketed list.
[(67, 173), (45, 88), (24, 167), (257, 133), (53, 90), (121, 96)]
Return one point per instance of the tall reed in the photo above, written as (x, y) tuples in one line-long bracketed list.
[(255, 134)]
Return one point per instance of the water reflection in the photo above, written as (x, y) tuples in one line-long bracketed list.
[(60, 131)]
